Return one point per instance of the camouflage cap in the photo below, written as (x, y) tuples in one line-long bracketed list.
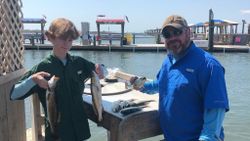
[(174, 21)]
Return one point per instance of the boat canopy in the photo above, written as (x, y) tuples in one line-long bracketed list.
[(217, 22), (40, 21), (199, 24), (33, 20), (221, 26), (223, 22), (110, 21)]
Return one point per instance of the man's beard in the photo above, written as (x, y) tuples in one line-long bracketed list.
[(177, 47), (174, 46)]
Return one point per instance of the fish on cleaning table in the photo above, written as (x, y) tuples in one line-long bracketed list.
[(96, 91), (130, 110), (53, 115), (122, 104)]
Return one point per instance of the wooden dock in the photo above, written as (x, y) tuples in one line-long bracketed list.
[(231, 48), (125, 48), (139, 48)]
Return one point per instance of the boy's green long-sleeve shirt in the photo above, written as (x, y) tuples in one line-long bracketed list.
[(73, 125)]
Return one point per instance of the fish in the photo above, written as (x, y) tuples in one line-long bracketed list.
[(120, 104), (139, 82), (117, 106), (53, 115), (96, 91), (130, 110)]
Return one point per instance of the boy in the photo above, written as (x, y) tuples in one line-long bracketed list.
[(72, 72)]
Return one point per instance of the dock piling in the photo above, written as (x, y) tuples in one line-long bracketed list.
[(211, 31)]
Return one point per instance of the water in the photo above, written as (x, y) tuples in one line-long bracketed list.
[(237, 67)]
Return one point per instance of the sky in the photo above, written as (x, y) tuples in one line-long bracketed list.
[(142, 14)]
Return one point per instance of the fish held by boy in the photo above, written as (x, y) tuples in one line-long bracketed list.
[(52, 112), (96, 91)]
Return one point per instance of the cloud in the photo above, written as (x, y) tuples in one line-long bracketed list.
[(245, 11)]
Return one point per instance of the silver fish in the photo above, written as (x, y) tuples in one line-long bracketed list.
[(51, 105), (96, 91), (122, 104), (139, 82), (130, 110)]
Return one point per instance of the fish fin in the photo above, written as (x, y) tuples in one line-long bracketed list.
[(94, 109), (99, 115), (58, 117)]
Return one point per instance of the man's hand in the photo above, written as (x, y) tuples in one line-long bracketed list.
[(132, 79), (137, 82), (39, 79)]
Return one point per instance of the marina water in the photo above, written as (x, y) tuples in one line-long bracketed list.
[(237, 66)]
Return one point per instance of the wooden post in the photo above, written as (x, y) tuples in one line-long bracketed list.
[(158, 38), (133, 38), (98, 34), (42, 32), (211, 31), (248, 29), (243, 26), (122, 32), (12, 113), (37, 120), (94, 41)]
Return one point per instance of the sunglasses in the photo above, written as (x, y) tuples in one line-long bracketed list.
[(172, 33)]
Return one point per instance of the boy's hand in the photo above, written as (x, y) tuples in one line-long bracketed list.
[(39, 78), (100, 70)]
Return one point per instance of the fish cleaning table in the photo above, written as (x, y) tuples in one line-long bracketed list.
[(133, 127)]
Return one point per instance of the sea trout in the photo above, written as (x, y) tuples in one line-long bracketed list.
[(96, 91), (51, 105)]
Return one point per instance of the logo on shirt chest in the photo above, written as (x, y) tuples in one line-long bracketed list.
[(79, 72), (190, 70)]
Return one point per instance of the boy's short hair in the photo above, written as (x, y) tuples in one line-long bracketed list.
[(62, 28)]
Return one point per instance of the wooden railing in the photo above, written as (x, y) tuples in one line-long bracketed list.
[(37, 119), (12, 113)]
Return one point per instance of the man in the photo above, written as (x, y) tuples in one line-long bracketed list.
[(192, 89)]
